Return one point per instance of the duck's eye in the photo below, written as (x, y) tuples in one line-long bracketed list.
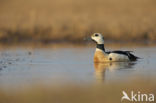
[(96, 35)]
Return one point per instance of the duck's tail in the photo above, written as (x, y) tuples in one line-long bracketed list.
[(133, 57)]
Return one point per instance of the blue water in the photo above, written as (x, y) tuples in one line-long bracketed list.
[(21, 67)]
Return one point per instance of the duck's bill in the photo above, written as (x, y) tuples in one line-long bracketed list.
[(87, 39)]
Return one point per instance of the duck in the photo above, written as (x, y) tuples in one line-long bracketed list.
[(101, 55)]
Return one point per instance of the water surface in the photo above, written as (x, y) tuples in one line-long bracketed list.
[(21, 67)]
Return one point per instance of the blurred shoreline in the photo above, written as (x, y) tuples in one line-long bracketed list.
[(114, 45), (46, 22)]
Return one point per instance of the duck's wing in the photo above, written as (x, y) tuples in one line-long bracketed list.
[(122, 52), (119, 52), (126, 53)]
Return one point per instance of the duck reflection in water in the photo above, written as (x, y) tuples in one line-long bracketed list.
[(101, 68)]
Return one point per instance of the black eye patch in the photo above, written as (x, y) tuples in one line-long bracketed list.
[(96, 35)]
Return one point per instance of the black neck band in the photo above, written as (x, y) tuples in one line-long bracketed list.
[(100, 46)]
